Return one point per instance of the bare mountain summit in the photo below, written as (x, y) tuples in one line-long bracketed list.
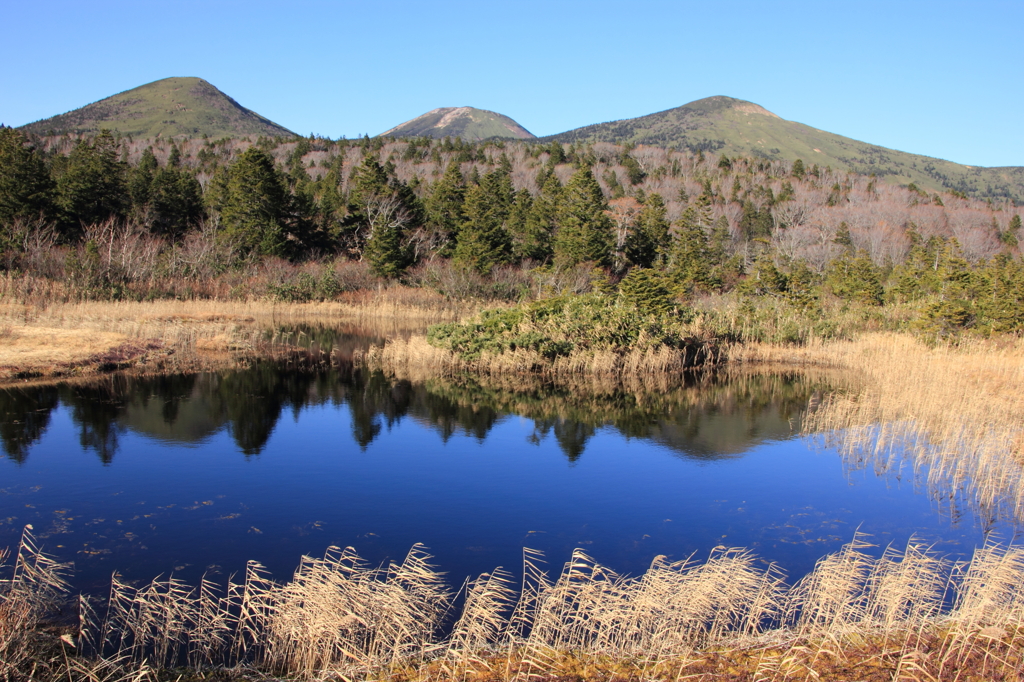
[(171, 107), (468, 123)]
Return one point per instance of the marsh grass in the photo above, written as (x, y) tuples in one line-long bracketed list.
[(416, 359), (67, 339), (952, 417), (914, 613)]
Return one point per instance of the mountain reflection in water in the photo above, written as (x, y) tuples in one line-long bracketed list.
[(705, 417)]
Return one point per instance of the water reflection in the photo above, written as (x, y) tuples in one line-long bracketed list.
[(701, 417)]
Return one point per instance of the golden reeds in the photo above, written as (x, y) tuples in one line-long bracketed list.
[(339, 618), (65, 339), (953, 415)]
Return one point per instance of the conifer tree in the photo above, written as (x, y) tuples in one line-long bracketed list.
[(647, 245), (176, 201), (25, 185), (255, 205), (140, 178), (483, 241), (584, 230), (382, 211), (539, 228), (444, 210), (691, 264), (92, 186)]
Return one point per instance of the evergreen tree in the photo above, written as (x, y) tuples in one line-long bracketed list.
[(255, 205), (383, 211), (140, 179), (754, 223), (25, 185), (524, 244), (647, 245), (1011, 236), (691, 264), (856, 278), (539, 228), (176, 202), (584, 230), (798, 169), (92, 186), (444, 210), (483, 241)]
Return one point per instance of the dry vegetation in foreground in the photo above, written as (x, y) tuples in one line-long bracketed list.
[(904, 615), (78, 338)]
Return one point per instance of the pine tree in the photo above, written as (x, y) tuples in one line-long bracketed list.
[(444, 210), (855, 277), (539, 228), (255, 205), (92, 186), (140, 179), (381, 212), (691, 264), (524, 243), (647, 245), (176, 202), (25, 185), (483, 241), (584, 230)]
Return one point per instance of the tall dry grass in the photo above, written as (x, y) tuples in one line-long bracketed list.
[(338, 618), (414, 358), (59, 338), (29, 598), (952, 416)]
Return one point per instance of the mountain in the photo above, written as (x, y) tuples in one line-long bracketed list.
[(735, 127), (170, 107), (472, 125)]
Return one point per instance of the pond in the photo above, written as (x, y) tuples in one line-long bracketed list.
[(195, 474)]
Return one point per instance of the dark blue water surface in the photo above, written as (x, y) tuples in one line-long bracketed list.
[(195, 474)]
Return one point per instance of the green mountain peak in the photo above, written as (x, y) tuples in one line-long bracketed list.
[(735, 127), (171, 107)]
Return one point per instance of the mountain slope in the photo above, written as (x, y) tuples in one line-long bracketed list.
[(735, 127), (167, 108), (468, 123)]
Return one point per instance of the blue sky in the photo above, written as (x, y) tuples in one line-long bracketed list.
[(938, 78)]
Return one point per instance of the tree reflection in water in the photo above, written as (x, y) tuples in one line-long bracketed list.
[(704, 417)]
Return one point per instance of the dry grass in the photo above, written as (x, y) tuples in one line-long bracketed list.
[(414, 358), (952, 415), (65, 339), (904, 615)]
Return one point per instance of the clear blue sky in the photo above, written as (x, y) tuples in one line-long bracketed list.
[(944, 79)]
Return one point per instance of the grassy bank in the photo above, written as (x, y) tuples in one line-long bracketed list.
[(906, 614), (69, 339)]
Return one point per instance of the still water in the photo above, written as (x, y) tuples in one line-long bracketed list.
[(198, 474)]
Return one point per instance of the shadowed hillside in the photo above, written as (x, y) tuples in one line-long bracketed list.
[(165, 108)]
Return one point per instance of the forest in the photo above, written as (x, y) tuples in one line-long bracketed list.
[(109, 217)]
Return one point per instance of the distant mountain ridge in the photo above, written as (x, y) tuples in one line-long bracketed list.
[(735, 127), (192, 107), (170, 107), (472, 125)]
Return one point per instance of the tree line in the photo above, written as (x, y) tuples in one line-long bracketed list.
[(696, 223)]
